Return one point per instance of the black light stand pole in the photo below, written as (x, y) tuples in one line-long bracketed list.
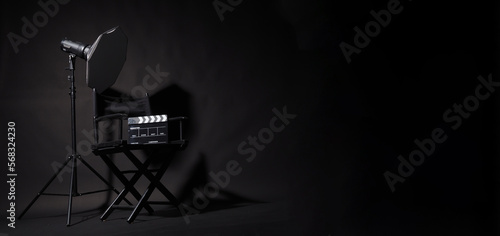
[(74, 155), (73, 158), (81, 50), (73, 187)]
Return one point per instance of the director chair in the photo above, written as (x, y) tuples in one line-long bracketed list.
[(113, 111)]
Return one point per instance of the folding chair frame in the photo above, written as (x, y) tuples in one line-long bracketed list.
[(142, 170)]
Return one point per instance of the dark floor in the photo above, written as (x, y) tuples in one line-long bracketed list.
[(242, 219), (257, 219)]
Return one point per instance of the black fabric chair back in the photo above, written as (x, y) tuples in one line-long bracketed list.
[(113, 107), (107, 105)]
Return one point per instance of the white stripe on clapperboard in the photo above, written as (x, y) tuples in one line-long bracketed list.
[(152, 119)]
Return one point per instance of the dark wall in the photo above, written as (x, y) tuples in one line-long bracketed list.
[(347, 122)]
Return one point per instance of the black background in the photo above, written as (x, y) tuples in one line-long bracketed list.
[(353, 119)]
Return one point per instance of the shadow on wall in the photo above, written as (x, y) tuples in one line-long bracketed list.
[(175, 101)]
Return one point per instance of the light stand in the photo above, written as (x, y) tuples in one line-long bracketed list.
[(74, 157)]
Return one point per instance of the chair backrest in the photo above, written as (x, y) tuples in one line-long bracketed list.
[(113, 107), (107, 105)]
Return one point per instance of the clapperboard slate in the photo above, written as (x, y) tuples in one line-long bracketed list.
[(148, 129)]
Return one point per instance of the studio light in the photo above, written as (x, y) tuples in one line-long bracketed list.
[(105, 57), (79, 49)]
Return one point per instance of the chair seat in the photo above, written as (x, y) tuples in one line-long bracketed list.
[(105, 145), (120, 145)]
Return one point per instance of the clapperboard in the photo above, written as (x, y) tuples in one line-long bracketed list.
[(148, 129)]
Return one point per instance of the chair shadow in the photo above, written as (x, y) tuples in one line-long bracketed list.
[(174, 101), (225, 200), (174, 213)]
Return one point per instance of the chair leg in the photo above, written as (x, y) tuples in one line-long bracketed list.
[(129, 187), (140, 205), (143, 169), (154, 183), (102, 179)]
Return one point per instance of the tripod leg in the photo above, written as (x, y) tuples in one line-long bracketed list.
[(44, 188), (72, 189)]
